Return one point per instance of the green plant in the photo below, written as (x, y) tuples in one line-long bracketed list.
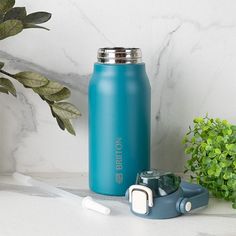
[(14, 20), (212, 146)]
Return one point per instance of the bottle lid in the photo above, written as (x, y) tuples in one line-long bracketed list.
[(161, 183), (119, 55)]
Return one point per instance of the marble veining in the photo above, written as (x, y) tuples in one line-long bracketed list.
[(27, 122), (88, 21), (190, 55)]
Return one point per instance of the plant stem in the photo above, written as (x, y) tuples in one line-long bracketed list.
[(6, 73)]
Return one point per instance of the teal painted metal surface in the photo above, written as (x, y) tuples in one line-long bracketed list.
[(119, 126)]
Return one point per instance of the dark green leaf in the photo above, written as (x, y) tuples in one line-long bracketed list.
[(61, 95), (63, 123), (1, 65), (51, 87), (53, 113), (3, 90), (60, 123), (28, 26), (17, 13), (65, 110), (7, 84), (37, 17), (5, 5), (234, 205), (10, 28), (1, 17), (31, 79), (68, 126)]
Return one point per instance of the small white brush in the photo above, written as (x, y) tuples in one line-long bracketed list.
[(87, 202)]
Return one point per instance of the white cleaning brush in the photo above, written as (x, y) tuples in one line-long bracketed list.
[(87, 202)]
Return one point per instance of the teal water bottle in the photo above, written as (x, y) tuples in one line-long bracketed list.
[(119, 120)]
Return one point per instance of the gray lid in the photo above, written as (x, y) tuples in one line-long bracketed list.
[(119, 55)]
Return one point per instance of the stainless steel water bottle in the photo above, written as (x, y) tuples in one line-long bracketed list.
[(119, 120)]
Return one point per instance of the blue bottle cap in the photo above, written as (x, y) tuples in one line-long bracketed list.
[(160, 182)]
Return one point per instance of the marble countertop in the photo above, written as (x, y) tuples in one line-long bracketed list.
[(29, 211)]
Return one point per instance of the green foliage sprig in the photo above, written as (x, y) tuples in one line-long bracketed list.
[(212, 146), (12, 21)]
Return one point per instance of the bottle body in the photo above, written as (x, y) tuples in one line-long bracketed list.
[(119, 126)]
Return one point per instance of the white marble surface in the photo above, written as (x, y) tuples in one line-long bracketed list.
[(188, 46), (26, 212)]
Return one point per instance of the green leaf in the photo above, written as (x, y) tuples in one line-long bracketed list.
[(8, 85), (233, 127), (65, 110), (50, 88), (59, 96), (217, 151), (219, 139), (225, 122), (209, 141), (188, 150), (1, 17), (234, 163), (229, 131), (18, 13), (227, 175), (198, 120), (37, 17), (29, 25), (208, 148), (1, 65), (10, 28), (64, 123), (31, 79), (185, 139), (5, 5), (229, 146), (234, 205), (218, 171), (60, 122), (212, 133), (3, 90), (223, 164), (211, 172), (68, 126)]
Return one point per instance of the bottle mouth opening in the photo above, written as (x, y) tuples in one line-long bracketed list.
[(119, 55)]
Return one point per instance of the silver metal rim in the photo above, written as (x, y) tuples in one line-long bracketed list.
[(119, 55)]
